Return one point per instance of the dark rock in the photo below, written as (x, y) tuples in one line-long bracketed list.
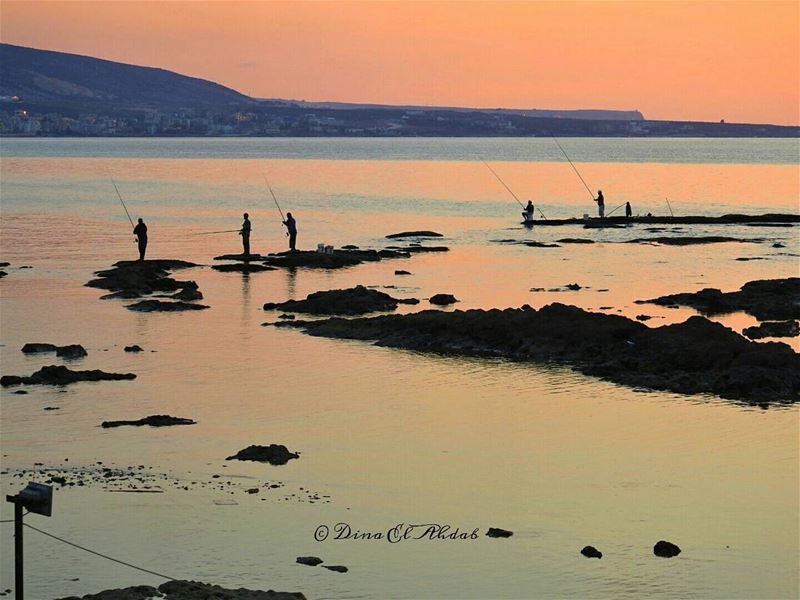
[(534, 244), (51, 408), (194, 590), (765, 299), (353, 301), (21, 392), (311, 561), (142, 277), (58, 375), (337, 568), (401, 272), (697, 356), (34, 348), (642, 317), (666, 549), (416, 249), (317, 260), (274, 454), (415, 234), (152, 421), (5, 264), (773, 329), (349, 247), (288, 317), (575, 241), (134, 348), (689, 241), (252, 490), (3, 273), (496, 532), (161, 306), (72, 351), (591, 552), (778, 245), (443, 299), (243, 268), (189, 293), (241, 257), (573, 286), (138, 592)]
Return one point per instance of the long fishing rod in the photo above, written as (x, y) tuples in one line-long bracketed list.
[(213, 232), (121, 200), (509, 189), (616, 209), (670, 207), (573, 166), (274, 198)]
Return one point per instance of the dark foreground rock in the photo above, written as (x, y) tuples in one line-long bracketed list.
[(130, 278), (414, 234), (311, 561), (666, 549), (35, 348), (161, 306), (188, 590), (274, 454), (591, 552), (773, 329), (58, 375), (697, 356), (443, 299), (765, 299), (496, 532), (353, 301), (690, 241), (152, 421)]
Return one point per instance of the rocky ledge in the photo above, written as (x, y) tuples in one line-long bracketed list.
[(414, 234), (188, 590), (337, 260), (58, 375), (152, 421), (161, 306), (353, 301), (133, 278), (696, 356), (773, 329), (765, 299)]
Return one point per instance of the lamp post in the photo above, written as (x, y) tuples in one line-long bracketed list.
[(36, 498)]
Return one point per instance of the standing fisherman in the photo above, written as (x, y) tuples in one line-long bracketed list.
[(140, 231), (245, 233), (291, 228), (601, 203), (628, 211)]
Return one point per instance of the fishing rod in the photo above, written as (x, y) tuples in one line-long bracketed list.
[(213, 232), (121, 200), (509, 189), (573, 166), (670, 208), (616, 209), (283, 219)]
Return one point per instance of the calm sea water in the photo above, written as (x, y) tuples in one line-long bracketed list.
[(391, 437)]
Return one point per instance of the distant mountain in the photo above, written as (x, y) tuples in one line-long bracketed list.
[(44, 77), (591, 114)]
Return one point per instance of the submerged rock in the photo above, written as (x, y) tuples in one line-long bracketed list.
[(244, 267), (443, 299), (415, 234), (311, 561), (402, 272), (72, 351), (194, 590), (696, 356), (496, 532), (242, 257), (152, 421), (161, 306), (274, 454), (689, 241), (59, 375), (591, 552), (666, 549), (337, 568), (773, 329), (575, 241), (765, 299), (353, 301), (134, 348)]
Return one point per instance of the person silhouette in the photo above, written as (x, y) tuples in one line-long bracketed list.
[(601, 203), (245, 233), (291, 228), (140, 231)]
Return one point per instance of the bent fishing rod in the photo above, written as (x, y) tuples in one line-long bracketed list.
[(616, 209), (573, 166), (114, 183), (509, 189), (283, 219)]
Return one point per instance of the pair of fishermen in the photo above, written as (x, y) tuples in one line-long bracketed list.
[(291, 231), (601, 206)]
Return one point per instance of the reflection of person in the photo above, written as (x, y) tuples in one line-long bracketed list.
[(628, 211), (140, 231), (291, 228), (245, 233), (601, 204)]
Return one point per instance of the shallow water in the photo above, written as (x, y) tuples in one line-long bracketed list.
[(392, 437)]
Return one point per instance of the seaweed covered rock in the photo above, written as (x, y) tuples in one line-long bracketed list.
[(152, 421), (59, 375), (353, 301)]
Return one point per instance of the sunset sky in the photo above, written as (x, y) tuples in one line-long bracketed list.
[(737, 61)]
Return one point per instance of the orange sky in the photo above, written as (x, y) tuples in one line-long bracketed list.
[(672, 60)]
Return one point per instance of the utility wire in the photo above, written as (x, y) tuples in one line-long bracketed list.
[(116, 560)]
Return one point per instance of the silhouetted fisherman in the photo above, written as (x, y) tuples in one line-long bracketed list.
[(601, 204), (628, 211), (140, 231), (245, 233), (291, 228), (528, 214)]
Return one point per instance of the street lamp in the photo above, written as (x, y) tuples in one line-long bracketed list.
[(36, 498)]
